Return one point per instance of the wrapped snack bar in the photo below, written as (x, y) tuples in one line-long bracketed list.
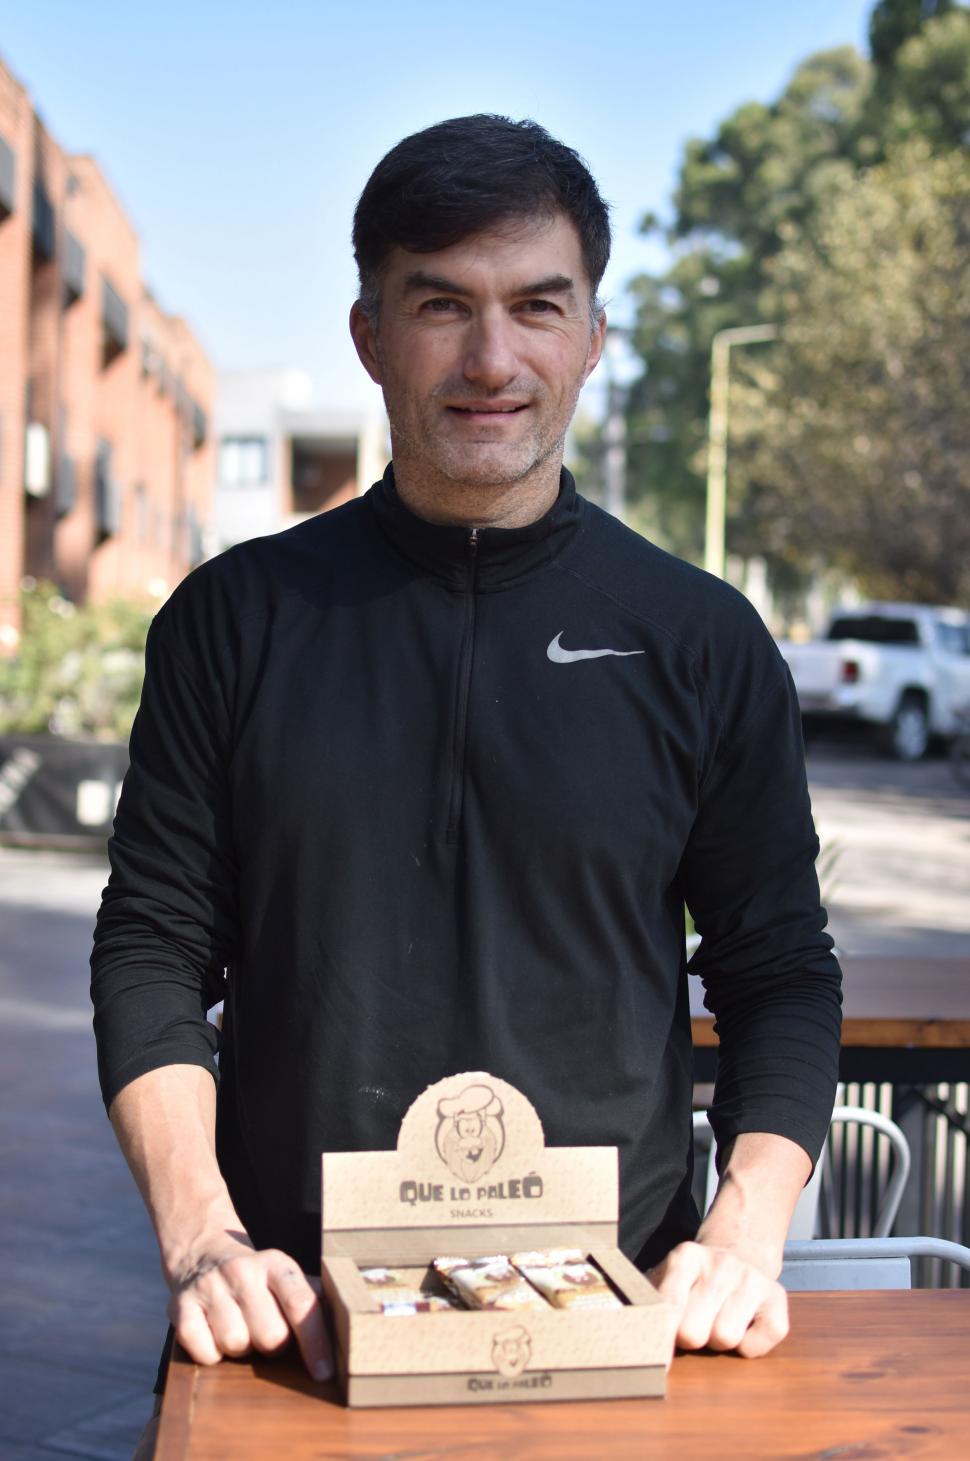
[(398, 1292), (565, 1278), (420, 1304), (391, 1286), (488, 1283)]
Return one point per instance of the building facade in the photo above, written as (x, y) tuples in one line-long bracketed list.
[(107, 466), (282, 459)]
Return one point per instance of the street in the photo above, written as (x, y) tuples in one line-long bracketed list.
[(895, 861), (83, 1305)]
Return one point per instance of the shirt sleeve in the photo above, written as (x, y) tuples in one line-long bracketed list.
[(167, 925), (770, 977)]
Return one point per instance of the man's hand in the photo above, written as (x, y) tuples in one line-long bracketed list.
[(724, 1285), (724, 1301), (227, 1299)]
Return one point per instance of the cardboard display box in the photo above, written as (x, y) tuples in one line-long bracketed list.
[(471, 1177)]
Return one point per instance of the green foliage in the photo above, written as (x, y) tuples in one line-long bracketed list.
[(78, 671), (858, 418), (770, 175), (930, 92), (894, 22), (764, 169)]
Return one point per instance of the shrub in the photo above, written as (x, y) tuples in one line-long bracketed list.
[(77, 671)]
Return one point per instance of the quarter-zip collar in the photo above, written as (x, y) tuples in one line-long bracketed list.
[(503, 555)]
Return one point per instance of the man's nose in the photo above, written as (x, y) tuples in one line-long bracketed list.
[(490, 360)]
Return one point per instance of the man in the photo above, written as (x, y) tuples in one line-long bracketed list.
[(431, 778)]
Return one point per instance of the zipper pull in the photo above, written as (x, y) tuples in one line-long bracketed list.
[(472, 540)]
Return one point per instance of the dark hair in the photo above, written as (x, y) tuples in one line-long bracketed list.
[(466, 175)]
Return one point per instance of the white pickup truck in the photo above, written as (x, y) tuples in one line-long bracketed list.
[(904, 669)]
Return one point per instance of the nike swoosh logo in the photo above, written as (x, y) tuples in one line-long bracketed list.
[(560, 656)]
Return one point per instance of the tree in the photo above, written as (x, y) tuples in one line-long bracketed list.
[(768, 170), (766, 166), (930, 91), (857, 420), (894, 22)]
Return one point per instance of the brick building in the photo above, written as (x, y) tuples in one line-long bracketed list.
[(106, 466)]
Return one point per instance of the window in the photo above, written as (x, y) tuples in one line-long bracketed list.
[(242, 461), (875, 629), (952, 638)]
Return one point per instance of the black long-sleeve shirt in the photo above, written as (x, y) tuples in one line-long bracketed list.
[(435, 800)]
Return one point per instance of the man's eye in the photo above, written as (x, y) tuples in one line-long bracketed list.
[(540, 307), (439, 306)]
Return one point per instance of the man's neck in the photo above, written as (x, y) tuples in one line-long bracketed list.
[(508, 505)]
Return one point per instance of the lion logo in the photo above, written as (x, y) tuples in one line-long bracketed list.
[(511, 1351), (470, 1135)]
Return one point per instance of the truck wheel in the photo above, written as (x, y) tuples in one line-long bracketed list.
[(909, 729)]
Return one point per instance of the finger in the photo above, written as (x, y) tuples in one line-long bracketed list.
[(223, 1314), (248, 1282), (192, 1331), (735, 1316), (707, 1297), (769, 1328), (304, 1314)]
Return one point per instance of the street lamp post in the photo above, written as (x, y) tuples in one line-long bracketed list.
[(717, 438)]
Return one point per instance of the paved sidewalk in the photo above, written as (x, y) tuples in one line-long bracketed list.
[(81, 1298)]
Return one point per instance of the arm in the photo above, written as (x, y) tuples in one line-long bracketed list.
[(774, 987), (167, 927), (226, 1296)]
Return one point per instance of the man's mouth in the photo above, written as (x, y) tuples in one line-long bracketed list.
[(476, 408)]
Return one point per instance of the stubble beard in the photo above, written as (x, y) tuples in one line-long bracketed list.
[(418, 439)]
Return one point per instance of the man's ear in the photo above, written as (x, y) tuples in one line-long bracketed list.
[(596, 342), (363, 334)]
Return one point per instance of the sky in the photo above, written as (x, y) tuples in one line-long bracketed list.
[(239, 135)]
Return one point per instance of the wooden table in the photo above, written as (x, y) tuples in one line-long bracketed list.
[(906, 1020), (861, 1375)]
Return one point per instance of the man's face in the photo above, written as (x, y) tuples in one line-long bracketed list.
[(481, 350)]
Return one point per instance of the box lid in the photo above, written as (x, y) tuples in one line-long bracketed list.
[(471, 1174)]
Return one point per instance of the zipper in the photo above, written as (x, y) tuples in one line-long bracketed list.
[(464, 685)]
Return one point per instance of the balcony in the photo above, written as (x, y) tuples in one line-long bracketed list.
[(44, 226), (65, 486), (323, 473), (107, 495), (74, 262), (8, 180), (114, 321)]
